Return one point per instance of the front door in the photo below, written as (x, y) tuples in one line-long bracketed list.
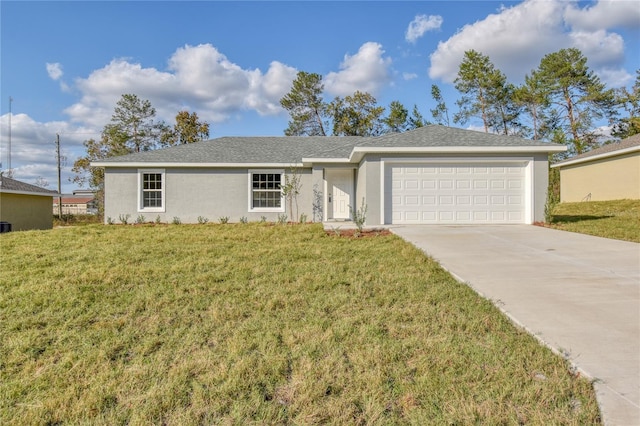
[(341, 192)]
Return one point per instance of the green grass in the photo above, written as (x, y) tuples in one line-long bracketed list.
[(260, 324), (618, 219)]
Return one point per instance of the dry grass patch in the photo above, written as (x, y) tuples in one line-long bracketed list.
[(258, 324), (618, 219)]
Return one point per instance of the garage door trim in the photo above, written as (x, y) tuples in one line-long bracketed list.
[(526, 162)]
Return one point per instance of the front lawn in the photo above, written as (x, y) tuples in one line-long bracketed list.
[(259, 324), (619, 220)]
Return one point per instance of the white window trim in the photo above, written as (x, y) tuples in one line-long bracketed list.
[(141, 209), (250, 208)]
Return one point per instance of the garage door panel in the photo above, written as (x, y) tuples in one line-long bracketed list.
[(429, 216), (411, 200), (497, 184), (515, 216), (429, 184), (445, 216), (463, 184), (456, 193), (480, 184), (463, 200), (410, 184), (445, 200), (480, 216), (428, 200), (514, 184), (445, 184), (463, 216), (514, 200)]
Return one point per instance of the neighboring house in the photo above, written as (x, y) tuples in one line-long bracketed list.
[(25, 206), (76, 204), (430, 175), (611, 172)]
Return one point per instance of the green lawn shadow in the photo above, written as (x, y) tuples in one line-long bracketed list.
[(577, 218)]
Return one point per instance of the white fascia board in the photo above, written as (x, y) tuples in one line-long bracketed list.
[(597, 157), (457, 149), (325, 160), (146, 165), (42, 194)]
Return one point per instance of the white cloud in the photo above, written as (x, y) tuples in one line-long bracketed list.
[(366, 71), (517, 38), (54, 70), (600, 47), (409, 76), (420, 25), (199, 78), (33, 149), (604, 14), (615, 77)]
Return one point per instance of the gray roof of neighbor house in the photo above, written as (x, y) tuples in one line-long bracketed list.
[(15, 186), (285, 150), (632, 143)]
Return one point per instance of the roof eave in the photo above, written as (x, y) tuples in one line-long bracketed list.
[(168, 165), (571, 162), (310, 161), (41, 194), (360, 151)]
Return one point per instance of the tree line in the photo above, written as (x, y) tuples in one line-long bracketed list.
[(560, 102)]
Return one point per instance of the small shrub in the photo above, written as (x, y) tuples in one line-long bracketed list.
[(124, 218), (140, 219), (360, 216), (263, 219), (282, 219), (223, 219), (202, 220), (158, 220), (176, 220), (303, 218), (244, 219), (110, 220)]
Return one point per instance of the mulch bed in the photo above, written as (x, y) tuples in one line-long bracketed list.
[(353, 233)]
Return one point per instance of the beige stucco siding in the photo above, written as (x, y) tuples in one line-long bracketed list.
[(613, 178), (25, 212)]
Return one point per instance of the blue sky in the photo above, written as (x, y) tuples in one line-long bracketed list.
[(65, 64)]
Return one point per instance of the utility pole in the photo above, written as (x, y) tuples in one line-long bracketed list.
[(59, 177)]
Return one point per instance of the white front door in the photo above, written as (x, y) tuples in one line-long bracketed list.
[(340, 192)]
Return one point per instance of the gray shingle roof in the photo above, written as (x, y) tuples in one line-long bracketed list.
[(292, 149), (256, 149), (8, 184), (442, 136), (611, 148)]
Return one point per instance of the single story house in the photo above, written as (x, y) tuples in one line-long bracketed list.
[(76, 204), (431, 175), (25, 206), (611, 172)]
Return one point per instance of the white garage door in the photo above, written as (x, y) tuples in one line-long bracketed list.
[(456, 193)]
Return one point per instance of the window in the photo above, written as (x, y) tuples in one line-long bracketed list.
[(151, 190), (266, 192)]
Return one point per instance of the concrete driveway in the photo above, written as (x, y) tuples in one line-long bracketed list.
[(579, 294)]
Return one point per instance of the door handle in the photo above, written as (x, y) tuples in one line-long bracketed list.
[(329, 197)]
